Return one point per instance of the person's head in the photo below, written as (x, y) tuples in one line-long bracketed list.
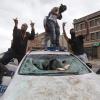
[(72, 33), (24, 27), (64, 62), (55, 10)]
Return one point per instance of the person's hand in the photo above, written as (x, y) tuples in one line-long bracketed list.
[(66, 66), (32, 24), (63, 24), (15, 21)]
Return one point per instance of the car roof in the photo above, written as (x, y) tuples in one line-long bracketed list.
[(49, 52)]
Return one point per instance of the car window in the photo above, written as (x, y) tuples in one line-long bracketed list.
[(47, 64)]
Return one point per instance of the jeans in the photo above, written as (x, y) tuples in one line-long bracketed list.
[(54, 33)]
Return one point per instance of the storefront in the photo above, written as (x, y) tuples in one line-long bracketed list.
[(97, 45), (93, 52)]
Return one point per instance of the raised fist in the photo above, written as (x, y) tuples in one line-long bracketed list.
[(15, 20), (32, 24), (63, 24)]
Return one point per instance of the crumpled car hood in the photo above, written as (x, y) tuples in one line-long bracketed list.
[(76, 87)]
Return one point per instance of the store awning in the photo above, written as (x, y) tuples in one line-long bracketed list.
[(96, 44)]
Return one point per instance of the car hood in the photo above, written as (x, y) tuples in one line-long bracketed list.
[(75, 87)]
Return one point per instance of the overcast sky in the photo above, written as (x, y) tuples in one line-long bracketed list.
[(36, 10)]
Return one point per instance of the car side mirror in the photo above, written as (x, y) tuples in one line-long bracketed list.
[(89, 65)]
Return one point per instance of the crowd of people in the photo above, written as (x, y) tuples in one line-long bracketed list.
[(52, 33)]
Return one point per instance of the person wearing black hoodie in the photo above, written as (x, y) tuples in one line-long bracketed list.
[(77, 42)]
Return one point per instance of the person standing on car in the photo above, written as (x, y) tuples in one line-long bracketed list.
[(19, 43), (77, 42), (52, 29)]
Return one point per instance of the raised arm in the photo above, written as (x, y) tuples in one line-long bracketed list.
[(64, 32), (15, 30), (32, 35), (16, 22)]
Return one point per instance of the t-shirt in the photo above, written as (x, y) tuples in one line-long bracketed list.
[(53, 17), (77, 45)]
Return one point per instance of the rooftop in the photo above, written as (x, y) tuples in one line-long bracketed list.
[(88, 17)]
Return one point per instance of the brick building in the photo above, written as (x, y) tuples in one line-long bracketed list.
[(92, 41), (38, 42)]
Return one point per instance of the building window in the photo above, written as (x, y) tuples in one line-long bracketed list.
[(97, 35), (92, 23), (87, 38), (92, 36), (77, 27), (82, 26), (97, 21)]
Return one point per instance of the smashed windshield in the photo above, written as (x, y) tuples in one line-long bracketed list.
[(45, 64)]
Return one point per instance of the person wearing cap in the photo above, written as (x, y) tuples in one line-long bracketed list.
[(19, 43)]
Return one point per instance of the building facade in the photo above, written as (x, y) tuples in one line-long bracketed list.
[(91, 41), (38, 42)]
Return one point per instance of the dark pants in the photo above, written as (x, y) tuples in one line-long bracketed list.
[(9, 55), (54, 33)]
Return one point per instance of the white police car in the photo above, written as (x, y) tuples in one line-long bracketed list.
[(6, 75), (53, 75)]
